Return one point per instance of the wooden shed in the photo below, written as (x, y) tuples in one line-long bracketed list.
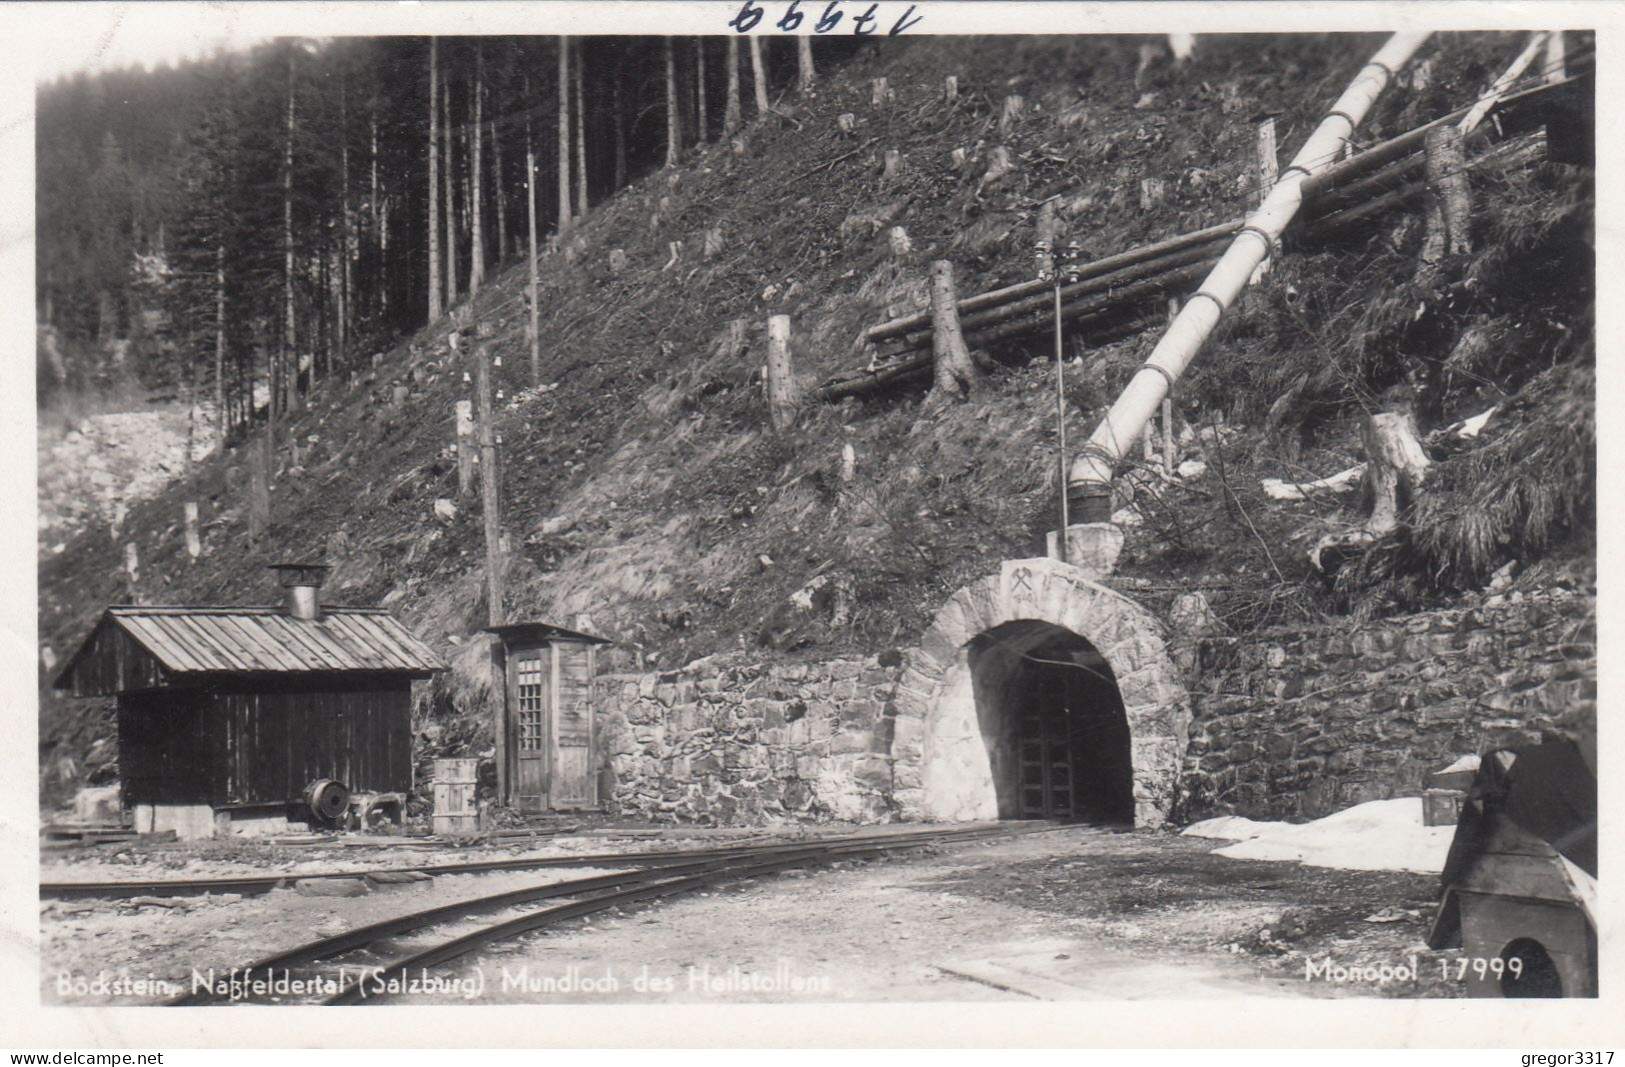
[(239, 715), (547, 746)]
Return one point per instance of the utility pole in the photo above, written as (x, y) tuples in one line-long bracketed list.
[(490, 488)]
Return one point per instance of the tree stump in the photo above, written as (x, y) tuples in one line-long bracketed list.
[(464, 430), (617, 260), (783, 394), (846, 122), (1396, 467), (1010, 116), (880, 93), (1449, 199), (1153, 191), (898, 242), (999, 166), (950, 90), (954, 373), (1044, 239), (712, 245), (892, 166)]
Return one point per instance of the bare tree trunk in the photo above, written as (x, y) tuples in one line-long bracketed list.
[(342, 322), (220, 341), (450, 196), (490, 488), (499, 191), (783, 393), (434, 179), (259, 488), (290, 354), (807, 77), (701, 133), (955, 374), (620, 137), (564, 136), (380, 286), (530, 215), (581, 131), (674, 132), (758, 69), (731, 119), (476, 255)]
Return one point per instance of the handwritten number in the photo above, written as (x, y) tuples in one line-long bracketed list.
[(904, 22), (749, 15)]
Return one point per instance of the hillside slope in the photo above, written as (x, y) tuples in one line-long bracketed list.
[(647, 499)]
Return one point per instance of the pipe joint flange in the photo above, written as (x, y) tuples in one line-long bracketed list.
[(1345, 116), (1270, 244), (1169, 378), (1092, 449), (1220, 304)]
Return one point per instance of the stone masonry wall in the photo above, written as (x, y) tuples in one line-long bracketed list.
[(727, 742), (1301, 723)]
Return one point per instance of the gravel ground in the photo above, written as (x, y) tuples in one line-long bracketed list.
[(1072, 914)]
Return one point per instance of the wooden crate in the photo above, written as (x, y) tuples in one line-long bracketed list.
[(1442, 807)]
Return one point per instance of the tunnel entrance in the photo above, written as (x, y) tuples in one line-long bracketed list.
[(1053, 720), (1038, 665)]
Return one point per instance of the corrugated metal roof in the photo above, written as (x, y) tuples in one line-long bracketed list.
[(262, 640)]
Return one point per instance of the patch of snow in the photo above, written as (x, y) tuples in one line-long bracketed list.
[(1465, 763), (1471, 427), (1381, 835), (1232, 828)]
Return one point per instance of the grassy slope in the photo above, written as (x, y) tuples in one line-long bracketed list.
[(680, 525)]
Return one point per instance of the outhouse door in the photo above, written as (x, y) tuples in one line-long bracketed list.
[(575, 785), (532, 687)]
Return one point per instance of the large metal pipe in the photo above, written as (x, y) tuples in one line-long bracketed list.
[(1089, 482)]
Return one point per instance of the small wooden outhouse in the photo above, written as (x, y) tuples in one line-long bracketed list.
[(546, 740)]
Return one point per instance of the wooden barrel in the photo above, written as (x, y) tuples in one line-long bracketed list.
[(456, 785)]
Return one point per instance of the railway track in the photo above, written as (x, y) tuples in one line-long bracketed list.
[(252, 885), (397, 956)]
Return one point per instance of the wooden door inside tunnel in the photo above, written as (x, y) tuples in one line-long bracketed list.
[(1052, 716)]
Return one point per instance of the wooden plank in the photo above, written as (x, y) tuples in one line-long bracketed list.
[(255, 639), (181, 629), (148, 633), (223, 641), (317, 652)]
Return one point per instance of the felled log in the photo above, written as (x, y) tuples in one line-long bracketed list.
[(1509, 155), (913, 323), (1117, 285)]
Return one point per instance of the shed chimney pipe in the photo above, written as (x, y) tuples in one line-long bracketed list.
[(301, 583)]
